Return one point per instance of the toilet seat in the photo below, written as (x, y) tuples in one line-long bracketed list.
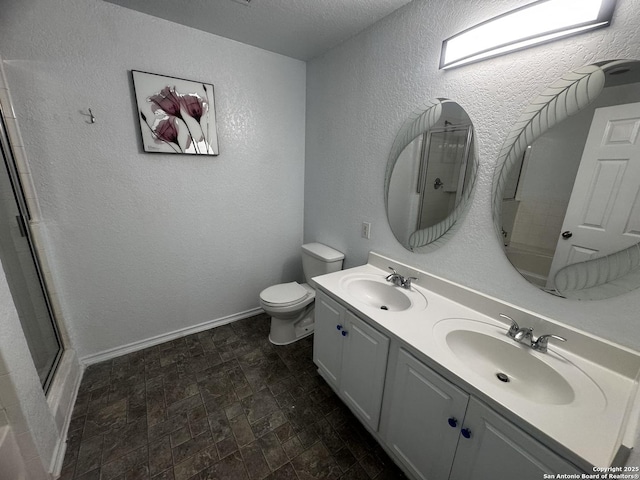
[(285, 294)]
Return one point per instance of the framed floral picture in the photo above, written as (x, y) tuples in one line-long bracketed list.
[(176, 115)]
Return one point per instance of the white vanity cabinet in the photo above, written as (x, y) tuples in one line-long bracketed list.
[(417, 366), (433, 428), (499, 450), (327, 341), (438, 431), (352, 356), (424, 418)]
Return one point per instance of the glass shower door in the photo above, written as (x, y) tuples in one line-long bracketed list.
[(444, 163), (22, 269)]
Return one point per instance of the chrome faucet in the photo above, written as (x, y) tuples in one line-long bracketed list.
[(398, 280), (395, 278), (542, 342), (525, 335), (407, 282), (515, 332)]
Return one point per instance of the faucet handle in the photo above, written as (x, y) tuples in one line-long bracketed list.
[(392, 275), (514, 328), (542, 342), (406, 283)]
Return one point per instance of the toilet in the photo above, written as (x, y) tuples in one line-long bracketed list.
[(291, 305)]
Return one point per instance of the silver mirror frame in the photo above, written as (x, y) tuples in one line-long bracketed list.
[(420, 121), (568, 95)]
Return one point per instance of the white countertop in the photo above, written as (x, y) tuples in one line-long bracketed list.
[(591, 427)]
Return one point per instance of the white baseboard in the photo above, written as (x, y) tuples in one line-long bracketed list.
[(165, 337)]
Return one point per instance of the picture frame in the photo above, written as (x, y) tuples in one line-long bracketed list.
[(176, 116)]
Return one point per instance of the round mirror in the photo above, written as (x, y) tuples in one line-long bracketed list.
[(430, 174), (566, 197)]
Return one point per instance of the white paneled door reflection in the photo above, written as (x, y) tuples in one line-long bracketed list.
[(603, 213)]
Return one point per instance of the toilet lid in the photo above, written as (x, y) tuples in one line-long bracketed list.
[(284, 293)]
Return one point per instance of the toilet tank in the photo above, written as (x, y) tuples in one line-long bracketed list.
[(318, 259)]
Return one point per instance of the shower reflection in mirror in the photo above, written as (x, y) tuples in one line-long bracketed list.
[(432, 175), (442, 169)]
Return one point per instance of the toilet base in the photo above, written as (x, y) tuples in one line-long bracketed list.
[(284, 332)]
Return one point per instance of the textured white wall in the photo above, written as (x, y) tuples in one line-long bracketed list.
[(145, 244), (357, 98)]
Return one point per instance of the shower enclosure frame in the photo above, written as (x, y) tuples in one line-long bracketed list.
[(24, 218)]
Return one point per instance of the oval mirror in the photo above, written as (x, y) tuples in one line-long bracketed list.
[(430, 174), (566, 199)]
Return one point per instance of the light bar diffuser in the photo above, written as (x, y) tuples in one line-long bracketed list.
[(536, 23)]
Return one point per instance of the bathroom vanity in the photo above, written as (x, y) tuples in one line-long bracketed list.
[(431, 373)]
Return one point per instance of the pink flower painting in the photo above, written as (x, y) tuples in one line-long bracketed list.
[(167, 101), (176, 116)]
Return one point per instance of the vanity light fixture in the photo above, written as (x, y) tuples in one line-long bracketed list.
[(535, 23)]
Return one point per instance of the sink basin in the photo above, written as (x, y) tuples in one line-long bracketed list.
[(544, 378), (510, 363), (376, 292)]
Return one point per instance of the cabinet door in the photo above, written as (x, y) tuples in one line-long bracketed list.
[(364, 365), (498, 450), (425, 418), (327, 339)]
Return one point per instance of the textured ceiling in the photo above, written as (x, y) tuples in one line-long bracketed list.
[(301, 29)]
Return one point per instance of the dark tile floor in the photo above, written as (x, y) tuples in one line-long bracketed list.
[(223, 404)]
